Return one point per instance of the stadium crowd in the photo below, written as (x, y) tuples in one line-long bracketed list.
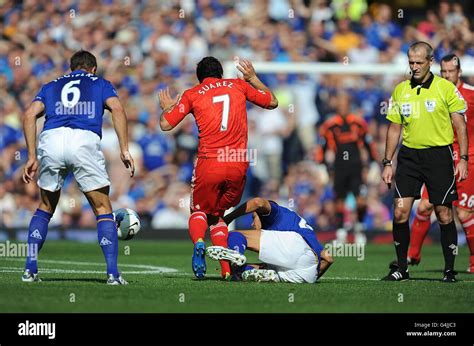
[(144, 46)]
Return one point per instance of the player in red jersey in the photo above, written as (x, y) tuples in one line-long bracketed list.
[(451, 70), (219, 107)]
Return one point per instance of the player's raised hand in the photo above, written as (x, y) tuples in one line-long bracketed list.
[(128, 162), (30, 169), (246, 67), (166, 101)]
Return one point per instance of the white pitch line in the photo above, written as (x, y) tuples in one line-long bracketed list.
[(151, 269), (73, 271)]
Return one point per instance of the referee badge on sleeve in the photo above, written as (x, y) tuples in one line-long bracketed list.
[(406, 109), (430, 105)]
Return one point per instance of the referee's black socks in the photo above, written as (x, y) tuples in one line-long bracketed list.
[(449, 243), (401, 238)]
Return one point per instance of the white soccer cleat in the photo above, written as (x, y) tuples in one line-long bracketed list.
[(221, 253), (112, 280), (30, 277), (260, 275)]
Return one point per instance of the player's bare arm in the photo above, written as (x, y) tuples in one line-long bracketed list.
[(166, 103), (460, 126), (393, 136), (259, 205), (250, 76), (119, 119), (34, 111)]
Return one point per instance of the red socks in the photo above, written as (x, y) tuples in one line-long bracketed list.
[(219, 235), (197, 226), (419, 229), (468, 226)]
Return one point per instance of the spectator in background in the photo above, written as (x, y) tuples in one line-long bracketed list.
[(157, 150), (363, 53), (352, 9), (10, 138), (383, 29), (429, 27), (271, 127), (307, 115), (344, 39), (369, 98), (174, 212)]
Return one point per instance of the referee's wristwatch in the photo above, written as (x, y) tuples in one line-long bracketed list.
[(386, 162), (464, 157)]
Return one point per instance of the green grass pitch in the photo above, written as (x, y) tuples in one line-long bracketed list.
[(161, 280)]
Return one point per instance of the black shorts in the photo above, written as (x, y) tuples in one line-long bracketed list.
[(432, 166), (347, 179)]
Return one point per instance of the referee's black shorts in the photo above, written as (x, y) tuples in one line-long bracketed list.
[(432, 166)]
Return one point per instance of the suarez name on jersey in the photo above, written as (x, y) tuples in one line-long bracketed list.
[(219, 107), (76, 100)]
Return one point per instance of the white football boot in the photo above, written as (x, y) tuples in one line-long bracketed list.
[(221, 253), (260, 275), (112, 280), (30, 277)]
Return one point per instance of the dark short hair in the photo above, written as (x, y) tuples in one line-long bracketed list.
[(83, 59), (426, 45), (209, 67), (449, 57)]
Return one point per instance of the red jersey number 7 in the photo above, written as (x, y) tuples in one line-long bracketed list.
[(225, 109)]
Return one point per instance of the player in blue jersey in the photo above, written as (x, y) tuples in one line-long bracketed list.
[(74, 105), (286, 244)]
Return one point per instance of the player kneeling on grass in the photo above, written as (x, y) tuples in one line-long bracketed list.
[(285, 243)]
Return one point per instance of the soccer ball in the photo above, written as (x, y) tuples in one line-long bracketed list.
[(128, 223)]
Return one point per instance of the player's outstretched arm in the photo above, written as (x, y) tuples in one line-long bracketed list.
[(119, 118), (257, 204), (250, 76), (35, 110)]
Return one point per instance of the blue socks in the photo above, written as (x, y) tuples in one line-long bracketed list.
[(37, 233), (108, 241), (237, 241)]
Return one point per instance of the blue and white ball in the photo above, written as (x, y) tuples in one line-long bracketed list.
[(128, 223)]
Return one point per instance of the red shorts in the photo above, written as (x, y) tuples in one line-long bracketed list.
[(465, 188), (217, 186)]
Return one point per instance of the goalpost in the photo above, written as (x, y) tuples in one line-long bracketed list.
[(334, 68)]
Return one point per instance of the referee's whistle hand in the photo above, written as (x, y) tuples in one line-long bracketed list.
[(387, 174), (461, 170)]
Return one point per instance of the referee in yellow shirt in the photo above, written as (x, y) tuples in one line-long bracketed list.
[(426, 107)]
